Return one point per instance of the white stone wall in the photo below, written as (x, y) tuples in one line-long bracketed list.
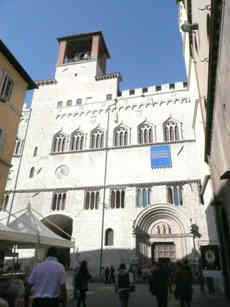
[(127, 167)]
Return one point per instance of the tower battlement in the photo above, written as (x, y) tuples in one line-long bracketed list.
[(155, 89)]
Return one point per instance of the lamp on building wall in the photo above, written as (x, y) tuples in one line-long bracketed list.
[(226, 175), (206, 8), (189, 27)]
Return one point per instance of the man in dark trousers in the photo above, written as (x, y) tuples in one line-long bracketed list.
[(122, 286), (48, 282), (112, 275), (107, 275), (159, 283)]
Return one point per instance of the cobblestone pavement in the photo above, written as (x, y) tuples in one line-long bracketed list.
[(100, 295)]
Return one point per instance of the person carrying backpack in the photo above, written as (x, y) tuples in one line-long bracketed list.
[(124, 280)]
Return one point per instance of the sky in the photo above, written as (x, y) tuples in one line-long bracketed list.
[(142, 36)]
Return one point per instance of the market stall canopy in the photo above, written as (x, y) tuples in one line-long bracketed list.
[(9, 236), (27, 224)]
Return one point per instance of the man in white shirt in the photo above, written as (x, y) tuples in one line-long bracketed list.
[(47, 281)]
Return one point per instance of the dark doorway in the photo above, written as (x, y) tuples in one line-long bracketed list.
[(163, 252), (164, 260)]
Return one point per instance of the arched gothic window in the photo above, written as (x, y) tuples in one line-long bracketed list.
[(97, 138), (109, 237), (172, 130), (59, 142), (77, 140), (120, 136), (145, 133), (18, 147), (32, 170)]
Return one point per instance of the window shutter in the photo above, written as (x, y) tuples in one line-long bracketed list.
[(6, 87), (170, 195), (3, 136), (1, 75), (176, 195), (10, 89)]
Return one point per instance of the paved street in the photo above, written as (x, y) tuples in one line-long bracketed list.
[(100, 295)]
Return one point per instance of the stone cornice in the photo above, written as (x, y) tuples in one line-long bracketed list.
[(167, 236), (121, 147), (108, 186)]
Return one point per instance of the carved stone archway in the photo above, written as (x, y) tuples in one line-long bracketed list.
[(161, 232)]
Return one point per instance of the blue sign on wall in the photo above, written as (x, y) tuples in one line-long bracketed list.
[(161, 156)]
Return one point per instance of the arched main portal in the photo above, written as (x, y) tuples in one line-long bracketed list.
[(161, 234), (62, 225)]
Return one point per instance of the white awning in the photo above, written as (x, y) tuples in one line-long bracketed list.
[(27, 229), (9, 235)]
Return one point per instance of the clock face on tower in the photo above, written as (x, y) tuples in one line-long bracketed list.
[(62, 171)]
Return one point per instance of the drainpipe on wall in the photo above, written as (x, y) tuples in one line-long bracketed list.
[(104, 189), (203, 188), (201, 98)]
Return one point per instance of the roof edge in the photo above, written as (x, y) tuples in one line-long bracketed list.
[(212, 71), (13, 61)]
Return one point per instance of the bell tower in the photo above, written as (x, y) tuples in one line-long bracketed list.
[(87, 52)]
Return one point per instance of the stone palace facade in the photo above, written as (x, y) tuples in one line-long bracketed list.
[(119, 171)]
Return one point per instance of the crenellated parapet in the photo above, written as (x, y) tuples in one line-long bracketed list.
[(155, 89)]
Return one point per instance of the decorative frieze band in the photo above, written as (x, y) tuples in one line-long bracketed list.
[(108, 186), (62, 113)]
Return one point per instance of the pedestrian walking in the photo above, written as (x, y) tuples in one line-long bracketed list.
[(81, 284), (112, 275), (183, 281), (210, 285), (47, 282), (124, 285), (75, 272), (107, 272), (159, 283), (201, 280)]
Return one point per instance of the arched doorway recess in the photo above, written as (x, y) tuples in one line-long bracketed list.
[(162, 233), (62, 225)]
